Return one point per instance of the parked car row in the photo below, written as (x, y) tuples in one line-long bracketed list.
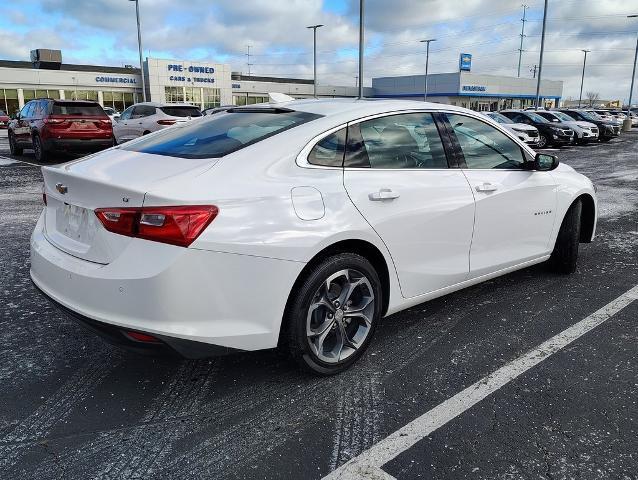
[(48, 125), (556, 128)]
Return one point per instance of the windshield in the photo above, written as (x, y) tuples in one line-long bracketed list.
[(564, 117), (590, 116), (73, 108), (499, 117), (220, 134), (536, 117), (181, 111)]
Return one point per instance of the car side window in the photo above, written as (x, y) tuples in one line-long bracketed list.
[(126, 114), (485, 147), (142, 111), (409, 140), (328, 152), (24, 113)]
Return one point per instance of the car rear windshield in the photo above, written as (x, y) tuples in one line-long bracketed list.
[(2, 112), (82, 109), (221, 134), (181, 111)]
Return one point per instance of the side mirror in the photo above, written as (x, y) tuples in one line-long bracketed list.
[(17, 116), (544, 162)]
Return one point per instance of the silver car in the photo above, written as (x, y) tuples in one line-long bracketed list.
[(144, 118)]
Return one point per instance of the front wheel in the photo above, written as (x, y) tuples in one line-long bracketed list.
[(542, 141), (13, 145), (332, 317), (565, 255)]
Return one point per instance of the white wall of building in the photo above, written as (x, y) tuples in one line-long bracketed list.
[(189, 75)]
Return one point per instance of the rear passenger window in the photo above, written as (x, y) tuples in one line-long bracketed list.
[(485, 147), (328, 152), (408, 140)]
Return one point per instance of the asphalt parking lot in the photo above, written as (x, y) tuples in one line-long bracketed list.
[(75, 407)]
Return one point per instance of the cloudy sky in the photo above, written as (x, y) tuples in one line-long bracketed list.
[(103, 32)]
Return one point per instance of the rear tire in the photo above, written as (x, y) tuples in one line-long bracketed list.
[(41, 153), (564, 258), (13, 146), (331, 317)]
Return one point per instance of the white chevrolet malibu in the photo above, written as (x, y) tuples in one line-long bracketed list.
[(298, 224)]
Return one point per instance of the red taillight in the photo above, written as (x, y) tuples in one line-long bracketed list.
[(174, 225), (54, 121), (166, 122), (142, 337)]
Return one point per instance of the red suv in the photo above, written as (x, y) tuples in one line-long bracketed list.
[(4, 120), (47, 125)]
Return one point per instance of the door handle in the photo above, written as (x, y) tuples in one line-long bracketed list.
[(383, 194), (486, 187)]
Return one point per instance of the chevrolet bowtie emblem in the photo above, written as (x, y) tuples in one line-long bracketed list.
[(61, 188)]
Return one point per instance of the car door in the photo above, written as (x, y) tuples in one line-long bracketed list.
[(139, 120), (515, 206), (121, 128), (397, 174), (22, 130)]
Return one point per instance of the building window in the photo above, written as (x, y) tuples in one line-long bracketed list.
[(193, 95), (212, 97), (174, 94), (9, 101)]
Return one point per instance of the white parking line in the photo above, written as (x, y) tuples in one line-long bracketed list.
[(368, 464)]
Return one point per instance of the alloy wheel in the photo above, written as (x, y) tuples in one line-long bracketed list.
[(542, 141), (340, 316)]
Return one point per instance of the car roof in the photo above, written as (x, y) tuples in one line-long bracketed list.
[(358, 107), (161, 105)]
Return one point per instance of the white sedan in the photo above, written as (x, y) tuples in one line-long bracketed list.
[(299, 224), (526, 133)]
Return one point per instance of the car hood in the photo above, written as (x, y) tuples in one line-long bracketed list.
[(522, 126)]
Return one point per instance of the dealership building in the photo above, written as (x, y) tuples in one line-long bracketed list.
[(470, 90), (208, 84)]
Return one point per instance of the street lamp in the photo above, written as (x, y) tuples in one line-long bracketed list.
[(427, 59), (361, 46), (314, 54), (139, 46), (627, 124), (540, 62), (582, 79)]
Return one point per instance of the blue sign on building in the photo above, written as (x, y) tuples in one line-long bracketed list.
[(115, 80), (465, 62)]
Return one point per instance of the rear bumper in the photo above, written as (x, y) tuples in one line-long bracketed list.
[(184, 296), (165, 346), (78, 144)]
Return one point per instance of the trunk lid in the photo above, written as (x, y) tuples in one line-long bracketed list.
[(114, 178)]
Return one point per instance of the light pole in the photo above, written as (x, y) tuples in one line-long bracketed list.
[(427, 61), (582, 79), (314, 54), (540, 62), (139, 46), (520, 50), (361, 47), (627, 123)]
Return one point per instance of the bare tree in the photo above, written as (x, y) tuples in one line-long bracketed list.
[(592, 97)]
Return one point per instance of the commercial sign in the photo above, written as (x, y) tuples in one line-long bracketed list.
[(115, 80), (474, 88), (182, 70), (465, 62)]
